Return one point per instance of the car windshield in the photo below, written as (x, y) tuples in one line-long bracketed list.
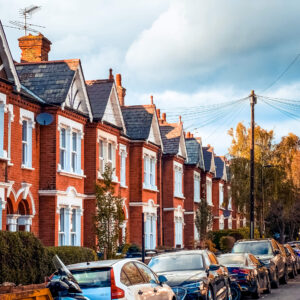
[(94, 277), (256, 248), (236, 259), (177, 263)]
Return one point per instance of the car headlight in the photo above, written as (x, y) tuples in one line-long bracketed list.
[(193, 287), (266, 262)]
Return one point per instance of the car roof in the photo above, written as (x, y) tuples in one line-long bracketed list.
[(184, 252), (253, 241), (98, 264), (234, 254)]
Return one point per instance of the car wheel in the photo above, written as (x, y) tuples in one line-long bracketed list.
[(292, 274), (275, 281), (210, 294), (284, 278), (295, 271), (235, 293), (268, 288), (256, 294)]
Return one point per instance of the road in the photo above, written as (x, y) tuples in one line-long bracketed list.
[(290, 291)]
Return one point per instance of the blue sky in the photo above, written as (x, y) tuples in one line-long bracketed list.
[(185, 53)]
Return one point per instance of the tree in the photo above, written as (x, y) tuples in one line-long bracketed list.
[(109, 215), (203, 220)]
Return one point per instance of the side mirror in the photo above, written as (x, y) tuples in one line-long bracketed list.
[(162, 279), (213, 268), (276, 251)]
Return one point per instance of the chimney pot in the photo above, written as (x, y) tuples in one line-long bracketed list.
[(111, 76), (164, 116), (151, 97), (158, 113), (118, 80), (188, 135), (180, 120), (120, 90), (35, 48)]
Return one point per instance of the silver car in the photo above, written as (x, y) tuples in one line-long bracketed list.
[(120, 279)]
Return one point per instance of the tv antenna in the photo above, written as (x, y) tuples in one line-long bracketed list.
[(26, 13)]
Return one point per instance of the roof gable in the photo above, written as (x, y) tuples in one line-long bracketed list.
[(209, 161), (221, 171), (7, 67), (194, 152), (154, 133)]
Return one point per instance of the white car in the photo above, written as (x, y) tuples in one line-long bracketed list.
[(120, 279)]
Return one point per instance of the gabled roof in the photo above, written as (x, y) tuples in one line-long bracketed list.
[(194, 152), (141, 123), (58, 82), (209, 161), (99, 92), (220, 168), (50, 80), (7, 61), (173, 138)]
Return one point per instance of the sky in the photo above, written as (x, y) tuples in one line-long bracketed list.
[(187, 54)]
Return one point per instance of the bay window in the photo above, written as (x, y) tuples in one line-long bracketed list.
[(178, 181), (150, 232), (63, 148), (107, 157), (149, 172), (196, 187), (221, 195), (74, 152), (62, 233), (209, 191), (123, 155)]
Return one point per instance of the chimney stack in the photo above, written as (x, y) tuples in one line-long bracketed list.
[(120, 90), (35, 48), (151, 97), (158, 113), (188, 135), (111, 76), (164, 117)]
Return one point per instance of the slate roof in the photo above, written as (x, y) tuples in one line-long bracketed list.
[(138, 120), (49, 80), (219, 162), (194, 148), (171, 133), (207, 156), (99, 92)]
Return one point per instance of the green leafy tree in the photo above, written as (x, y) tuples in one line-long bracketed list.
[(109, 215), (203, 221)]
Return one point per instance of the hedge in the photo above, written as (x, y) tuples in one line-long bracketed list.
[(24, 259), (238, 234)]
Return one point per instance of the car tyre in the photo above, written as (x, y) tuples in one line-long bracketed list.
[(256, 294), (268, 289), (284, 278), (210, 294), (275, 281), (295, 271)]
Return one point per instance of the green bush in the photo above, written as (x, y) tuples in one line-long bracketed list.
[(238, 234), (226, 243), (24, 259)]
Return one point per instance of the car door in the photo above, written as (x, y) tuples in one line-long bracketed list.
[(137, 289), (158, 291), (278, 259)]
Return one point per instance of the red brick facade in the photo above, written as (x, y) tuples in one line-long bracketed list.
[(48, 172)]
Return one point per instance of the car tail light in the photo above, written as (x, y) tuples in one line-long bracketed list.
[(116, 292), (241, 271)]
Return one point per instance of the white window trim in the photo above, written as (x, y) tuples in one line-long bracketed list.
[(71, 126), (197, 180), (229, 198), (178, 170), (3, 106), (221, 195), (10, 120), (209, 199), (149, 155), (29, 117), (123, 154)]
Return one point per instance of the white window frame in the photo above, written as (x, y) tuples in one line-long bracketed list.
[(28, 116), (123, 156), (197, 182), (62, 149), (150, 231), (221, 222), (101, 156), (221, 195), (209, 191), (62, 233), (73, 221), (229, 198), (74, 152), (178, 232), (149, 166), (3, 110), (71, 127), (178, 179)]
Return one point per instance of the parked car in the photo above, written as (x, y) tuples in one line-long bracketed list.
[(251, 274), (194, 274), (294, 258), (120, 279), (267, 250)]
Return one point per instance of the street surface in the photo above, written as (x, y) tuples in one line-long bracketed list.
[(290, 291)]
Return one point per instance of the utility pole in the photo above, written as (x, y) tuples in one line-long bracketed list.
[(253, 101)]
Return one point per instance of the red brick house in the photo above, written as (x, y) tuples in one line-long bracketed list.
[(144, 173), (193, 171), (174, 156)]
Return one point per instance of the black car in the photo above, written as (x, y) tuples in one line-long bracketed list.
[(251, 274), (292, 259), (267, 250), (194, 274)]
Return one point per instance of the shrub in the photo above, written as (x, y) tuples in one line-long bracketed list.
[(24, 259), (226, 243)]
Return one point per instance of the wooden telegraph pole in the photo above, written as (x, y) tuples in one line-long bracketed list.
[(253, 101)]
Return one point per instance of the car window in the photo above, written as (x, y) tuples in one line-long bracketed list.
[(235, 259), (146, 273), (212, 259), (124, 279), (133, 273), (93, 277), (256, 248)]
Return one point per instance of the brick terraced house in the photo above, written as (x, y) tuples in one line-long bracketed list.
[(59, 131)]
